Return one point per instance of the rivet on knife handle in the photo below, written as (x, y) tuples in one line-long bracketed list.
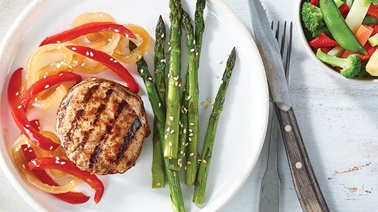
[(305, 183)]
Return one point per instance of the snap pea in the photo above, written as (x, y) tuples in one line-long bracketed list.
[(338, 28)]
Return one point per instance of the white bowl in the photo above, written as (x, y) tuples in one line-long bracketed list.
[(311, 53)]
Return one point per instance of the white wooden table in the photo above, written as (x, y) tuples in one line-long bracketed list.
[(338, 120)]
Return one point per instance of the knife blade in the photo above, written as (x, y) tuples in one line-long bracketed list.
[(306, 185)]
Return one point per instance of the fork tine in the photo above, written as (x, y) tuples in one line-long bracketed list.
[(283, 41), (288, 51)]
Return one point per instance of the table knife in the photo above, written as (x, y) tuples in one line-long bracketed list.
[(304, 179)]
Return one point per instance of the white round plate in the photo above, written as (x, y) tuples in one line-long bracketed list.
[(242, 126)]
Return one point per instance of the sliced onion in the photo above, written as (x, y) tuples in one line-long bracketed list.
[(21, 164), (52, 99), (143, 43)]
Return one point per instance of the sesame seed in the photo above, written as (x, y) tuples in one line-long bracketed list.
[(184, 131), (62, 163), (18, 93), (19, 107), (188, 97), (158, 184), (191, 135), (176, 78), (51, 147), (194, 42), (192, 50), (159, 104), (172, 131), (149, 78), (73, 48), (192, 154), (204, 161), (115, 61), (170, 144), (91, 54), (168, 129), (116, 30), (162, 36), (189, 139), (191, 124), (163, 60), (181, 152), (47, 86), (87, 53), (141, 71), (171, 118), (170, 48), (189, 162), (61, 74), (111, 59), (186, 144)]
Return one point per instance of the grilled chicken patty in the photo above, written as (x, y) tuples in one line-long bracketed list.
[(102, 125)]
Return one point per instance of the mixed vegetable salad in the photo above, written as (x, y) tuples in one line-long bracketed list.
[(343, 34)]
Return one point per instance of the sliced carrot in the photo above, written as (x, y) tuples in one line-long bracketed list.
[(362, 34)]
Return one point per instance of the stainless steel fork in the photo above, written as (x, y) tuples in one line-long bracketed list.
[(270, 186)]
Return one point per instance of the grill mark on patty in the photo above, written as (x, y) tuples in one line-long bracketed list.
[(103, 106), (98, 149), (129, 136), (63, 106), (80, 113), (100, 109), (90, 92)]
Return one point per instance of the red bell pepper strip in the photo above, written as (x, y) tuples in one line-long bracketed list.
[(70, 197), (109, 62), (370, 49), (315, 2), (86, 29), (322, 41), (344, 10), (19, 114), (373, 10), (46, 83), (375, 29), (42, 163)]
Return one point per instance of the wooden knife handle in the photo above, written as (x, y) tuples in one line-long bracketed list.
[(308, 191)]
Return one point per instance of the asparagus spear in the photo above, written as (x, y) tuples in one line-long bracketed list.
[(199, 25), (174, 82), (158, 172), (200, 186), (176, 164), (192, 101), (153, 96)]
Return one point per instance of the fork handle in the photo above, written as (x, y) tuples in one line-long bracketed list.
[(304, 179)]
